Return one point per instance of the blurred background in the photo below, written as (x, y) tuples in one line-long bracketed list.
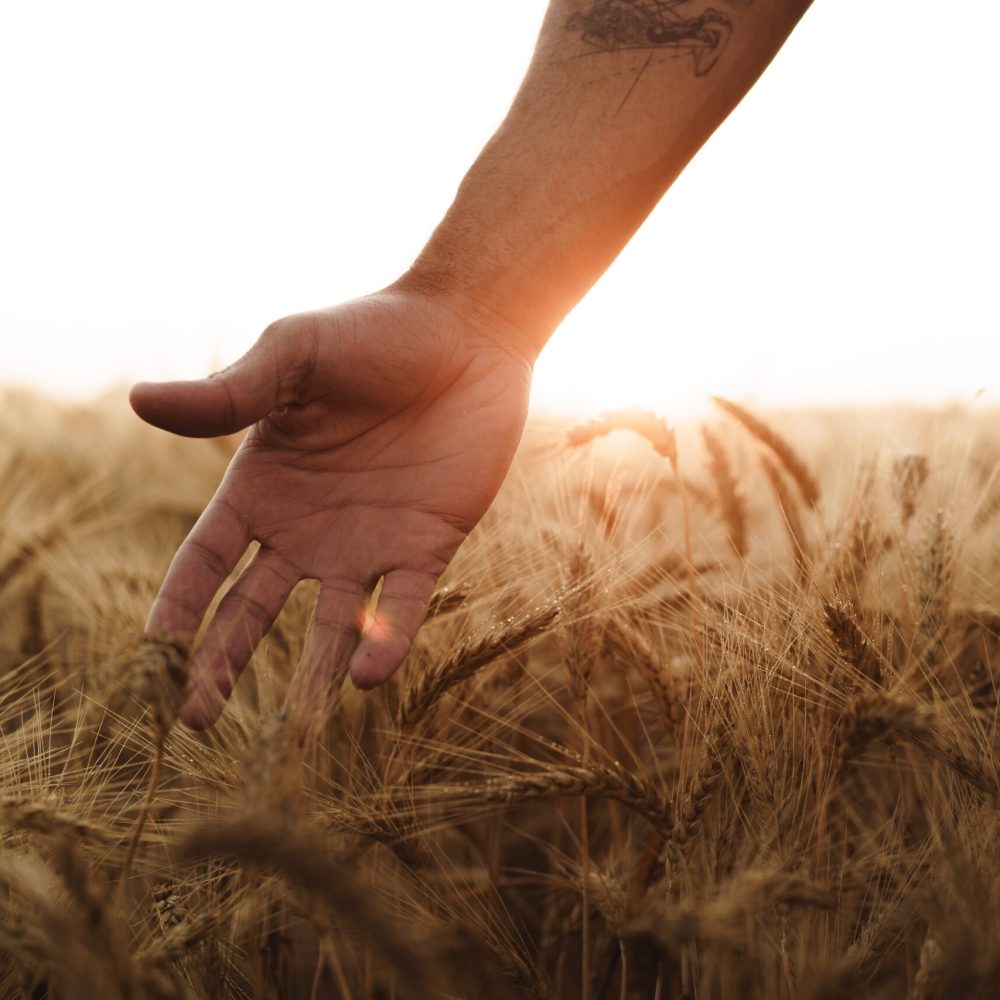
[(174, 177)]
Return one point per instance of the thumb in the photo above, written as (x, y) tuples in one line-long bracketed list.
[(269, 375)]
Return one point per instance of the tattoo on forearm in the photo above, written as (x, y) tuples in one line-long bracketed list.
[(616, 25)]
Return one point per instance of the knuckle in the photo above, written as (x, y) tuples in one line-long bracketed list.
[(208, 557), (273, 333), (411, 585), (179, 603), (278, 567), (253, 609), (225, 504), (348, 628), (292, 343), (342, 587)]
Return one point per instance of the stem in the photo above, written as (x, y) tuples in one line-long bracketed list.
[(317, 974), (692, 576), (624, 955), (585, 902), (585, 856), (140, 823), (254, 945), (330, 951)]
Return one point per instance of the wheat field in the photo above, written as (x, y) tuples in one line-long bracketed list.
[(705, 713)]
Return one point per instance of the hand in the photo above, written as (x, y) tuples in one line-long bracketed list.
[(380, 432)]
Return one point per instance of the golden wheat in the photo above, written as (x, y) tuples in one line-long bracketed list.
[(684, 772)]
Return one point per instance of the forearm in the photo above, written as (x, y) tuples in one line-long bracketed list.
[(618, 98)]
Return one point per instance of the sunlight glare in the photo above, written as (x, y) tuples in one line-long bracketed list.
[(180, 177)]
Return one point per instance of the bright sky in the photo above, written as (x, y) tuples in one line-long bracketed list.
[(174, 176)]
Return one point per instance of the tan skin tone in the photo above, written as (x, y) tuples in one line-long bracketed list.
[(380, 431)]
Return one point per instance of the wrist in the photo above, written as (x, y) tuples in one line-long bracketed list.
[(487, 317)]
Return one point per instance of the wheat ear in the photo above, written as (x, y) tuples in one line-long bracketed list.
[(157, 676), (591, 780), (909, 473), (22, 813), (729, 498), (875, 716), (656, 431), (470, 658), (789, 510), (306, 862), (728, 918), (782, 450), (632, 648), (854, 646)]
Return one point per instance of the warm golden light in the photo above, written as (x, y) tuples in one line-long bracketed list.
[(819, 249)]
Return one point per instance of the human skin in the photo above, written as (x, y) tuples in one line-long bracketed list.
[(381, 429)]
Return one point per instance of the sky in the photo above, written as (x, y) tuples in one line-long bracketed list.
[(175, 176)]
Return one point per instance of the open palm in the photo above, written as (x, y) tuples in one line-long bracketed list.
[(380, 431)]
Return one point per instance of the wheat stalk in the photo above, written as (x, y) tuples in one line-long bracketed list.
[(156, 677), (103, 928), (272, 769), (630, 647), (470, 658), (789, 510), (854, 645), (931, 956), (22, 813), (656, 431), (581, 643), (689, 818), (909, 473), (794, 465), (934, 592), (306, 862), (727, 918), (876, 716), (554, 782), (729, 498), (445, 601)]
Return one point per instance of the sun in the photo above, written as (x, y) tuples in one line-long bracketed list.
[(589, 368)]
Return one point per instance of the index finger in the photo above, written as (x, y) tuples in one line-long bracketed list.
[(206, 557)]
